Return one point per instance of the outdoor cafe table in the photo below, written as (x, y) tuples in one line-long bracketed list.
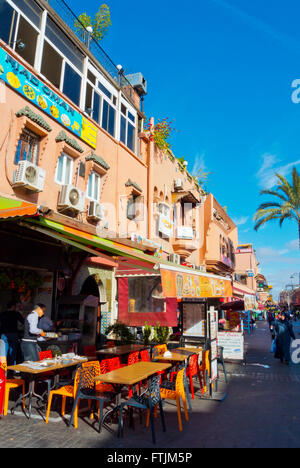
[(32, 374), (130, 376)]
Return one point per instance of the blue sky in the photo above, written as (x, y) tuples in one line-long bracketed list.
[(222, 70)]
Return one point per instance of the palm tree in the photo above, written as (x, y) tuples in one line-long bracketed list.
[(286, 205)]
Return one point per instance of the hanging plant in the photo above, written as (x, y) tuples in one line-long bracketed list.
[(160, 133)]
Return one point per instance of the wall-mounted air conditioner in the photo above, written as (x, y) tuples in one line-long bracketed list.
[(178, 184), (71, 198), (29, 176), (96, 211), (175, 258)]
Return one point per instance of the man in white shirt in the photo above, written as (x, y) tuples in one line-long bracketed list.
[(29, 344)]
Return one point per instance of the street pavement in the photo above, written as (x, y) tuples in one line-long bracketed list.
[(262, 410)]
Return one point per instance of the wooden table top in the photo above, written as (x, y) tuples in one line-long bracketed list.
[(192, 350), (28, 370), (120, 350), (131, 375), (174, 356)]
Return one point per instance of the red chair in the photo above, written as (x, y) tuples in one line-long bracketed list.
[(114, 364), (133, 358), (145, 357), (192, 370), (45, 355), (110, 344), (104, 366)]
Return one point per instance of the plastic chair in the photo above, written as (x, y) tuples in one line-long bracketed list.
[(192, 370), (86, 390), (133, 358), (221, 360), (47, 377), (175, 391), (204, 370), (145, 357), (148, 402), (114, 364), (67, 391), (110, 344), (159, 350), (11, 384)]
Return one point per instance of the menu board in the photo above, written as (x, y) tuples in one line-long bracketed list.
[(233, 344), (194, 320), (213, 333)]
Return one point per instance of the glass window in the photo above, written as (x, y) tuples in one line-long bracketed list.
[(7, 23), (108, 118), (131, 137), (64, 170), (28, 147), (51, 65), (127, 130), (93, 189), (145, 295), (72, 84), (28, 35), (30, 9), (96, 107), (123, 130), (63, 43), (104, 90)]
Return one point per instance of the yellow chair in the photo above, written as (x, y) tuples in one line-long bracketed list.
[(11, 384), (205, 370), (175, 391), (68, 391), (101, 387)]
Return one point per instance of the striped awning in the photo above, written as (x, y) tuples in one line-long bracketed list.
[(13, 208)]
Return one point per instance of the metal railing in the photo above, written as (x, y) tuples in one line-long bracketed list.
[(69, 17)]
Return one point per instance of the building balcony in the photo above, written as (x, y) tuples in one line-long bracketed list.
[(185, 241)]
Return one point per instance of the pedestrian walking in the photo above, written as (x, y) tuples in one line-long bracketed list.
[(284, 333), (9, 331)]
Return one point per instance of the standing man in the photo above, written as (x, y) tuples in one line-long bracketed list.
[(9, 331), (31, 334)]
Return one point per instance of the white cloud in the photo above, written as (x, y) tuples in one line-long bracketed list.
[(293, 245), (241, 221), (199, 163), (271, 165)]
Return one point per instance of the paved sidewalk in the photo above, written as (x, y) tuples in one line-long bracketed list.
[(262, 409)]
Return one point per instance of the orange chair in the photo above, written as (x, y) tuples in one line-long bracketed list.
[(133, 358), (204, 370), (11, 384), (192, 371), (159, 350), (100, 386), (175, 391), (68, 391)]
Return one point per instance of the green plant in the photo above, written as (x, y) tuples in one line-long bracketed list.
[(121, 332), (161, 334), (100, 23), (286, 205), (160, 133), (147, 334)]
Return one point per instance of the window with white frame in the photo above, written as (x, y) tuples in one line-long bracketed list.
[(93, 188), (64, 170), (128, 126), (101, 101)]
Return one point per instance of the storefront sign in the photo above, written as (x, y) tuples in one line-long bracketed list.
[(165, 226), (29, 86), (185, 232), (185, 285), (250, 302), (233, 344)]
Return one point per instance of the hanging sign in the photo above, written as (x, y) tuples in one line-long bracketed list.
[(28, 85)]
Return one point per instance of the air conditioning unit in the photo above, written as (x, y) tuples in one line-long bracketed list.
[(138, 82), (29, 176), (174, 258), (71, 198), (96, 211), (178, 184)]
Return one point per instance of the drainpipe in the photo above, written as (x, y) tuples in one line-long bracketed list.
[(150, 185)]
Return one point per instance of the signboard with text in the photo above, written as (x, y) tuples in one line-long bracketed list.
[(38, 93)]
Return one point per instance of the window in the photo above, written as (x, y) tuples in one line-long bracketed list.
[(127, 127), (64, 169), (145, 295), (93, 189), (28, 35), (28, 147), (100, 102), (135, 208), (72, 84), (7, 23), (31, 10), (51, 64)]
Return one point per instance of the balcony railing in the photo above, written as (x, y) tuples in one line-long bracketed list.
[(70, 18)]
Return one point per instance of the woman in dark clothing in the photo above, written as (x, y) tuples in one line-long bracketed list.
[(283, 333)]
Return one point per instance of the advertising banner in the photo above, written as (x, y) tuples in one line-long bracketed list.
[(28, 85), (189, 285)]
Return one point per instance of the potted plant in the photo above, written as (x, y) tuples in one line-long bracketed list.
[(121, 333), (161, 334), (147, 332)]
